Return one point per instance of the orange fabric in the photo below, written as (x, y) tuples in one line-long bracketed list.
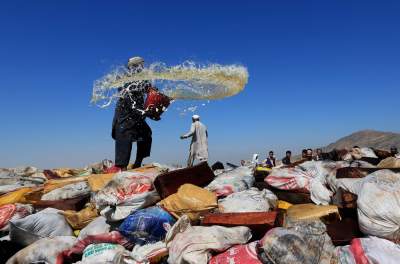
[(14, 197)]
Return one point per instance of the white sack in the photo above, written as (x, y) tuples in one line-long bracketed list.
[(376, 250), (124, 187), (68, 191), (96, 227), (378, 202), (44, 250), (126, 193), (251, 200), (310, 175), (105, 253), (193, 244), (46, 223), (368, 153), (236, 180), (141, 254)]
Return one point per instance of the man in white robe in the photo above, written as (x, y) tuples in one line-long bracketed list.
[(199, 146)]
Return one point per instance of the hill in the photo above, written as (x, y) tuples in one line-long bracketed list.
[(367, 138)]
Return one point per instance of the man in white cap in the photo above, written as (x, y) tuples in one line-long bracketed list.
[(129, 123), (199, 146)]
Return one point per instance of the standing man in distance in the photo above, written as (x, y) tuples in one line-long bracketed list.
[(199, 145)]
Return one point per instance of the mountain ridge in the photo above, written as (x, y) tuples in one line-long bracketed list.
[(367, 138)]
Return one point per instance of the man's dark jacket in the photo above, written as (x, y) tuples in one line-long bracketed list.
[(129, 119)]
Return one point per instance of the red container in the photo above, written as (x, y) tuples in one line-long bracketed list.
[(258, 222), (156, 103), (168, 183)]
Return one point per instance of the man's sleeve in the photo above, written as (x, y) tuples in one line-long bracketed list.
[(191, 132)]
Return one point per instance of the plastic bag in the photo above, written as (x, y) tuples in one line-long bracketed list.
[(251, 200), (96, 227), (44, 250), (236, 180), (46, 223), (190, 200), (369, 250), (303, 242), (239, 254), (193, 244), (148, 225), (79, 220)]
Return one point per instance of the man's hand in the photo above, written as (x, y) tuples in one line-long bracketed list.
[(182, 137)]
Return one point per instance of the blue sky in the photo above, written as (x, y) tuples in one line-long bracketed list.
[(319, 70)]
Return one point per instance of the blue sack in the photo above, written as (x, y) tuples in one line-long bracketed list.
[(148, 225)]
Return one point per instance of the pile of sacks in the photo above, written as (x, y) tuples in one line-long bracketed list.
[(136, 216), (159, 214)]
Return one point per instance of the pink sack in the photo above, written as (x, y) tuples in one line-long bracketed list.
[(289, 179), (13, 212), (6, 212), (239, 254), (113, 237)]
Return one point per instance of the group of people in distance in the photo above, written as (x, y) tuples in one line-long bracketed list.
[(306, 155)]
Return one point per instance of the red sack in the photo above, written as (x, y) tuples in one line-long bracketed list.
[(156, 103), (239, 254)]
